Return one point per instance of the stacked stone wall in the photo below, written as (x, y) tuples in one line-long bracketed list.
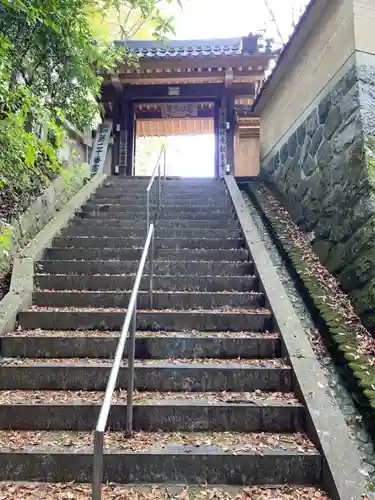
[(324, 173)]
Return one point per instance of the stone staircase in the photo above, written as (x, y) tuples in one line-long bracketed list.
[(214, 399)]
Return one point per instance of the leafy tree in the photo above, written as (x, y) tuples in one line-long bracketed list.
[(49, 57)]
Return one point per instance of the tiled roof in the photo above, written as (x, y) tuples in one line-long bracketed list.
[(177, 49)]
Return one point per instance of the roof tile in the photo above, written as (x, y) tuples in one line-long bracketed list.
[(153, 49)]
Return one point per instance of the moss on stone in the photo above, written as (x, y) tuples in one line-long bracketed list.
[(362, 370), (6, 246)]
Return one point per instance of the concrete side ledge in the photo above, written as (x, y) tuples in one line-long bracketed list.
[(21, 287), (327, 427)]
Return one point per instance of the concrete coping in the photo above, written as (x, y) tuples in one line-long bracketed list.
[(326, 425), (22, 280)]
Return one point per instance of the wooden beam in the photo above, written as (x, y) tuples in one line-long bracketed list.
[(197, 92), (229, 77), (183, 77), (168, 80), (188, 92)]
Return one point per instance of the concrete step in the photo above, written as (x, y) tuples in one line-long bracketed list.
[(84, 254), (166, 195), (79, 411), (139, 205), (257, 320), (91, 344), (110, 232), (161, 492), (167, 267), (192, 191), (163, 224), (193, 458), (125, 283), (167, 187), (130, 216), (169, 181), (212, 197), (127, 198), (161, 300), (118, 242), (169, 209), (151, 375)]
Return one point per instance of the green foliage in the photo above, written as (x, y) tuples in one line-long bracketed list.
[(6, 243), (49, 61)]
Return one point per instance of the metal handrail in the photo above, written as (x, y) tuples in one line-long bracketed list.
[(129, 324), (156, 168)]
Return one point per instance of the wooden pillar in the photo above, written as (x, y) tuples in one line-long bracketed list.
[(217, 137), (117, 124), (130, 129), (231, 120), (222, 137)]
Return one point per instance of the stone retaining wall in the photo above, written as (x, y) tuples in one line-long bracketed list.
[(21, 230), (324, 172)]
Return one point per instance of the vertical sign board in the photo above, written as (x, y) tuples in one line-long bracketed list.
[(222, 141), (100, 148)]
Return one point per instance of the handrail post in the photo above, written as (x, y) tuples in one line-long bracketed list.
[(148, 210), (159, 185), (97, 473), (165, 162), (152, 257), (127, 338), (131, 356)]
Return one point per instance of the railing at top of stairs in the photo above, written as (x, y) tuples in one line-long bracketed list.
[(127, 336), (157, 168)]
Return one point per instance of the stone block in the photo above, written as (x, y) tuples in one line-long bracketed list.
[(166, 267), (174, 415), (170, 283), (255, 321), (178, 464), (53, 345), (161, 377), (135, 254), (316, 141)]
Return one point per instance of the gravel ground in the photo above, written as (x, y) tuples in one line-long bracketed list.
[(336, 383), (14, 491)]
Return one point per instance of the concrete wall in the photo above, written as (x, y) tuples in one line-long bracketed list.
[(318, 140), (329, 44), (364, 21), (76, 146), (246, 154)]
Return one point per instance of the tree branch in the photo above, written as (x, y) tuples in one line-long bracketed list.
[(274, 20)]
